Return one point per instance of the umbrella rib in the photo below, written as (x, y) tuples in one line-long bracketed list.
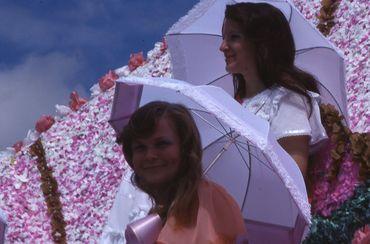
[(201, 117), (304, 50), (335, 100), (241, 154), (246, 144), (190, 34), (210, 83), (259, 160), (210, 124), (223, 149), (227, 133), (219, 140)]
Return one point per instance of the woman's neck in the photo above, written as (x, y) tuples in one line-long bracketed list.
[(161, 195), (253, 85)]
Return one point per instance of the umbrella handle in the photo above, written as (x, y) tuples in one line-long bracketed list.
[(224, 148)]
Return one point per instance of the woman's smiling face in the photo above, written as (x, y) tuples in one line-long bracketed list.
[(157, 158), (238, 51)]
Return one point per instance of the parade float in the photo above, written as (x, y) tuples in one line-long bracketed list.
[(59, 183)]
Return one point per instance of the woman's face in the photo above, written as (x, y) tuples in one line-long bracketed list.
[(156, 159), (238, 51)]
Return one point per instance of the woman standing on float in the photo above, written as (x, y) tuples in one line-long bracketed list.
[(259, 51)]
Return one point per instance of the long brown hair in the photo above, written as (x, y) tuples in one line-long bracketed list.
[(268, 30), (182, 202)]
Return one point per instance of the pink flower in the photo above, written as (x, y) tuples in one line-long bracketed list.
[(367, 119), (76, 101), (18, 146), (108, 80), (44, 123), (136, 60), (362, 236), (164, 45)]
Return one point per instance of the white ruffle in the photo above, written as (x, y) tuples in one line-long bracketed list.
[(198, 10), (273, 151)]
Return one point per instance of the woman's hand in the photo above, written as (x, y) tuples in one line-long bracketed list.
[(298, 149)]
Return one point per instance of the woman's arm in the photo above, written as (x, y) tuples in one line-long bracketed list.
[(298, 149)]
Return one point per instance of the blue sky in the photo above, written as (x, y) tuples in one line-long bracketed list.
[(49, 48)]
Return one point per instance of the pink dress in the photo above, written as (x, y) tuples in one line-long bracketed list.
[(219, 219)]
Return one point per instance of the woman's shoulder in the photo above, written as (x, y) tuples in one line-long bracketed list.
[(293, 114), (208, 185), (221, 207), (210, 190), (282, 94)]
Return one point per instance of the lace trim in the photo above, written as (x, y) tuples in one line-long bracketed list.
[(299, 199), (196, 12)]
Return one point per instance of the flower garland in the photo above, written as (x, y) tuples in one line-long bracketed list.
[(360, 148), (49, 188), (343, 223), (338, 135), (334, 169), (326, 16)]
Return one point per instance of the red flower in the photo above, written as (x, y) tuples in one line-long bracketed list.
[(76, 101), (44, 123), (18, 146), (108, 80), (136, 60)]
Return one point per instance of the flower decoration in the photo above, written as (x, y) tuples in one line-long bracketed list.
[(164, 45), (326, 15), (343, 222), (18, 146), (49, 187), (360, 147), (136, 60), (362, 235), (334, 171), (76, 101), (44, 123), (108, 80)]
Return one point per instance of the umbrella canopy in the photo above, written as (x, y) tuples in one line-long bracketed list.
[(195, 39), (239, 153)]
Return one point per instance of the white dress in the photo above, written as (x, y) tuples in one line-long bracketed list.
[(129, 204), (288, 113)]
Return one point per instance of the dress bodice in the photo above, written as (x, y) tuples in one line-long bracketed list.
[(288, 113)]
